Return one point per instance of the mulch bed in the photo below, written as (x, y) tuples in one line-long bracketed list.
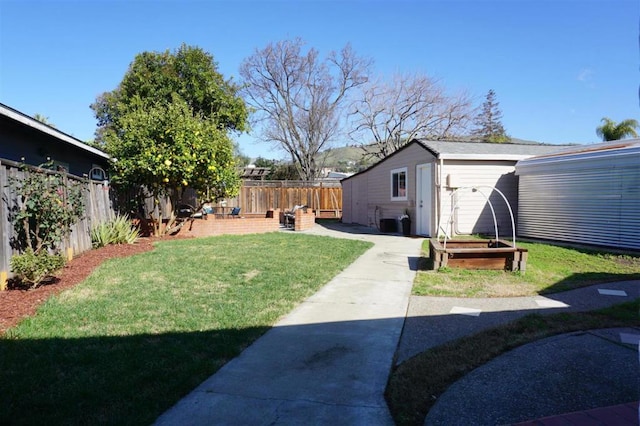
[(15, 304)]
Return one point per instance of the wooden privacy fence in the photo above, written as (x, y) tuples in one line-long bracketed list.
[(256, 197), (98, 207)]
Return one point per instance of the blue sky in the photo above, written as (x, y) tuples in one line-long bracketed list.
[(557, 67)]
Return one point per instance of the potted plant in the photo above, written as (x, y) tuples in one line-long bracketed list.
[(405, 219)]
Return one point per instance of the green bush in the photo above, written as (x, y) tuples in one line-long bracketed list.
[(32, 268), (101, 235), (115, 231), (44, 206), (123, 231)]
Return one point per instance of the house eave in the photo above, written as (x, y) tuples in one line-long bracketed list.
[(41, 127)]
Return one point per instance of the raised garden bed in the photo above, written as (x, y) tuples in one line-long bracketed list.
[(478, 254)]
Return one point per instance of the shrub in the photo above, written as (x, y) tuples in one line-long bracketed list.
[(101, 235), (123, 231), (45, 206), (115, 231), (32, 268)]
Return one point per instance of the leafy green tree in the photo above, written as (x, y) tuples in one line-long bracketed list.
[(280, 170), (167, 125), (241, 159), (283, 171), (263, 162), (156, 77), (44, 120), (92, 143), (612, 131), (166, 147), (488, 122)]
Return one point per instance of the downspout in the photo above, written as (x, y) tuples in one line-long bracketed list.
[(439, 195)]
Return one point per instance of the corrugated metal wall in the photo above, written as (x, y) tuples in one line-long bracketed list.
[(588, 198)]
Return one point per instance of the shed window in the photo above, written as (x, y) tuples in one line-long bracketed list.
[(399, 184)]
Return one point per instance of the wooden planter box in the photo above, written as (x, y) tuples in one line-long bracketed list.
[(478, 254)]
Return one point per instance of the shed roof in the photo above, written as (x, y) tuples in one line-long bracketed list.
[(449, 150), (17, 116), (454, 150)]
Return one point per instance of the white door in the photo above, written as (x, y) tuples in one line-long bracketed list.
[(423, 199)]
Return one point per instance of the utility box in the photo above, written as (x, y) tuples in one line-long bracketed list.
[(388, 225), (452, 181)]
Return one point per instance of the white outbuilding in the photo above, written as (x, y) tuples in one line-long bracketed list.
[(588, 195), (425, 178)]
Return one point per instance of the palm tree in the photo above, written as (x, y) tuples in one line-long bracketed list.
[(610, 131)]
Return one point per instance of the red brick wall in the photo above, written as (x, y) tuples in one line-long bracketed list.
[(237, 226), (304, 220)]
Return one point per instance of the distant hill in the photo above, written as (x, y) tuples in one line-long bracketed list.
[(354, 159), (346, 159)]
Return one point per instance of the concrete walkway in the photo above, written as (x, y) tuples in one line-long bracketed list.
[(560, 374), (327, 362)]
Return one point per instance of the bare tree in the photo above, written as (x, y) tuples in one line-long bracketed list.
[(298, 98), (390, 114)]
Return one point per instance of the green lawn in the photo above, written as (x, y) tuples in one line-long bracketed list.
[(143, 331), (549, 269)]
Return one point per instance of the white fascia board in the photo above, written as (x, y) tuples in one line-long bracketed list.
[(484, 157), (50, 131)]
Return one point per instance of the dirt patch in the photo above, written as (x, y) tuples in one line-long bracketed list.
[(19, 303)]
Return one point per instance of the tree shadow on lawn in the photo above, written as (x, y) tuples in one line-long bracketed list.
[(109, 380), (574, 281)]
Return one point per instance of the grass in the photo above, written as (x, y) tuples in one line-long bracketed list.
[(141, 332), (415, 385), (550, 269)]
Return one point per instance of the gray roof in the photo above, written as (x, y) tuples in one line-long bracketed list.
[(484, 151), (450, 150)]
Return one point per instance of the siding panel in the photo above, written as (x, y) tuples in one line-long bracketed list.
[(473, 213), (371, 190)]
